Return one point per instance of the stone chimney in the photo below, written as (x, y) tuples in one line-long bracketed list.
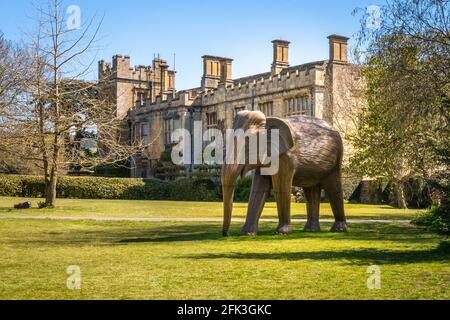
[(338, 49), (280, 56), (164, 67), (216, 70)]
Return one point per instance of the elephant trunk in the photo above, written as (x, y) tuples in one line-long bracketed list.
[(228, 194), (229, 177)]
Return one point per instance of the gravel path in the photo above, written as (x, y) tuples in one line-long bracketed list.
[(182, 219)]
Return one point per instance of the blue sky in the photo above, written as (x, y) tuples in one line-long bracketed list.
[(241, 30)]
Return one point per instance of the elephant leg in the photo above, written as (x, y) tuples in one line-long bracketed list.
[(312, 208), (260, 191), (284, 212), (282, 187), (333, 188)]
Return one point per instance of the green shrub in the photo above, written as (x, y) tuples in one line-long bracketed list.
[(95, 187), (113, 170), (112, 188), (148, 189), (243, 189), (10, 185), (437, 220), (33, 187), (194, 190), (169, 171), (444, 246), (166, 156), (203, 186)]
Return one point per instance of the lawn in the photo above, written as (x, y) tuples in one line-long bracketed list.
[(190, 260), (171, 209)]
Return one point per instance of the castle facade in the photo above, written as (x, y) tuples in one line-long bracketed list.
[(151, 107)]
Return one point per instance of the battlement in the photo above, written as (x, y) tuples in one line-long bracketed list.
[(121, 69), (180, 99), (308, 75), (104, 70)]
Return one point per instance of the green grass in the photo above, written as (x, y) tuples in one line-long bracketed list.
[(168, 209), (190, 260), (130, 260)]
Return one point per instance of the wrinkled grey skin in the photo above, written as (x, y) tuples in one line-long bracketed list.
[(310, 157)]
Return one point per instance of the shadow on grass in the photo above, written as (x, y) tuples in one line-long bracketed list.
[(175, 235), (364, 256), (372, 216), (212, 232), (56, 233)]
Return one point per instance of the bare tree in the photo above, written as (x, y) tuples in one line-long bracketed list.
[(13, 76), (13, 72), (64, 122)]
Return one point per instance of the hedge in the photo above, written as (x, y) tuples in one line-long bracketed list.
[(112, 188), (436, 219), (198, 188)]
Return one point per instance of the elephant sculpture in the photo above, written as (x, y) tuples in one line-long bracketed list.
[(310, 156)]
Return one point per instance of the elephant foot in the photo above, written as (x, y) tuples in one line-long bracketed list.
[(249, 231), (339, 226), (284, 229), (312, 226)]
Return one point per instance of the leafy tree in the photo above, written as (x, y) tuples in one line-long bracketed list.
[(406, 69)]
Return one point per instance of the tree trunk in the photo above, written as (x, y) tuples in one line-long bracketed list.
[(50, 189), (400, 195)]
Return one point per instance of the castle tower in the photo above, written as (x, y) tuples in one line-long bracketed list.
[(162, 80), (104, 70), (121, 66), (280, 56)]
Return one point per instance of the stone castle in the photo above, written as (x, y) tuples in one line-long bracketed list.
[(151, 107)]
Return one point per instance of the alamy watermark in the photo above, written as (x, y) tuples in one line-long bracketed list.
[(74, 279), (373, 20), (73, 21), (374, 278), (252, 147)]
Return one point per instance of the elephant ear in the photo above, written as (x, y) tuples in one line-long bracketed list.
[(286, 133)]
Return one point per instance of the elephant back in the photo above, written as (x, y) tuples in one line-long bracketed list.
[(318, 146)]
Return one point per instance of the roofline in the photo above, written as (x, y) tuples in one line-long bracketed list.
[(300, 66), (338, 37), (280, 41), (217, 57)]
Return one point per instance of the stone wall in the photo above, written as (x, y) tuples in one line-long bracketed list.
[(304, 80), (330, 86), (134, 87)]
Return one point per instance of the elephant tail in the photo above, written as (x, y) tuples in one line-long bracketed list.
[(340, 157)]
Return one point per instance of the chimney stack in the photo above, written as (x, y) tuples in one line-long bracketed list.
[(338, 49), (280, 56), (216, 70)]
